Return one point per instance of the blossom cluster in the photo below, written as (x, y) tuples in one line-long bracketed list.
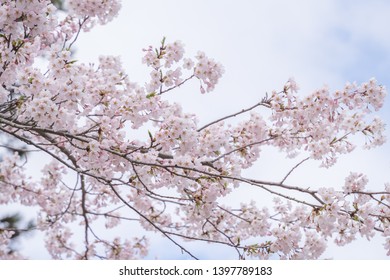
[(322, 122), (5, 253), (24, 24), (102, 11), (206, 70)]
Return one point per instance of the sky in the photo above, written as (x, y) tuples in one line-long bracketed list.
[(261, 45)]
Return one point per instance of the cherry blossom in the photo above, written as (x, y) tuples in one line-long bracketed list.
[(175, 180)]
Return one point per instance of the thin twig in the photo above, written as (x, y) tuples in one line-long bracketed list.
[(261, 103), (175, 86), (151, 223), (292, 169)]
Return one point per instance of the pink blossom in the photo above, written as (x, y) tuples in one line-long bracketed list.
[(134, 156)]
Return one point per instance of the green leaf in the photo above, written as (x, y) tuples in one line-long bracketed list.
[(71, 62), (150, 95), (151, 136)]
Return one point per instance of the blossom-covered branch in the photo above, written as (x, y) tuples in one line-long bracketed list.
[(171, 181)]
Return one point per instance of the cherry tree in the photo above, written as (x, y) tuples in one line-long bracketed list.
[(174, 179)]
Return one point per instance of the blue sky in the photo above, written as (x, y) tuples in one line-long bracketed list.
[(261, 44)]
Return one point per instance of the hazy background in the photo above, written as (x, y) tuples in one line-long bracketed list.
[(261, 44)]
